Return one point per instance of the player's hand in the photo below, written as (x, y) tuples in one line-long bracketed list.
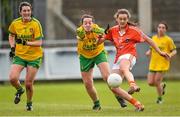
[(100, 38), (21, 41), (12, 52), (166, 55), (81, 34), (169, 57)]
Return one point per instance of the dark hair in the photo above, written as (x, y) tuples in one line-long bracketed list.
[(124, 11), (165, 24), (24, 4), (87, 16)]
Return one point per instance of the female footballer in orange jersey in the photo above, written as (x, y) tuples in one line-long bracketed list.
[(159, 65), (125, 36), (25, 39), (91, 53)]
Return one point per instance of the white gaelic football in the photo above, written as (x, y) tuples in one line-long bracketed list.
[(114, 80)]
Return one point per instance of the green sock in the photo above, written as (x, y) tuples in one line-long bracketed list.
[(97, 102), (19, 88), (118, 97), (160, 98), (29, 103)]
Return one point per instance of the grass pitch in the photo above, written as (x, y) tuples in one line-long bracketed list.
[(71, 99)]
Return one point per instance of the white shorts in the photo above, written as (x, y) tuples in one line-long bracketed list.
[(130, 57)]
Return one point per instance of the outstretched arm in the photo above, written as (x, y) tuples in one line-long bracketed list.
[(153, 44), (34, 43), (101, 38)]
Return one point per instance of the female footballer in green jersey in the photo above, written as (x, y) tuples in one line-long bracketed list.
[(159, 65), (25, 39), (91, 53)]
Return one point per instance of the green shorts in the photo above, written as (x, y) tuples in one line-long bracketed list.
[(35, 63), (87, 63)]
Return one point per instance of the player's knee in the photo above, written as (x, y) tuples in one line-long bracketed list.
[(157, 83), (88, 85), (105, 77), (29, 85), (151, 84), (13, 78), (124, 70)]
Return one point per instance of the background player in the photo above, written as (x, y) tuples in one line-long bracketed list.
[(25, 39), (158, 65)]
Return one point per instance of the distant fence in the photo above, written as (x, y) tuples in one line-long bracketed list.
[(62, 63)]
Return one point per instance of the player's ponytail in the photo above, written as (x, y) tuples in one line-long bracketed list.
[(132, 23)]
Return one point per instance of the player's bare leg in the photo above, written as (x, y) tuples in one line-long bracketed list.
[(91, 90), (159, 87), (14, 80), (121, 101), (105, 72), (120, 92), (151, 79), (30, 77), (124, 69)]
